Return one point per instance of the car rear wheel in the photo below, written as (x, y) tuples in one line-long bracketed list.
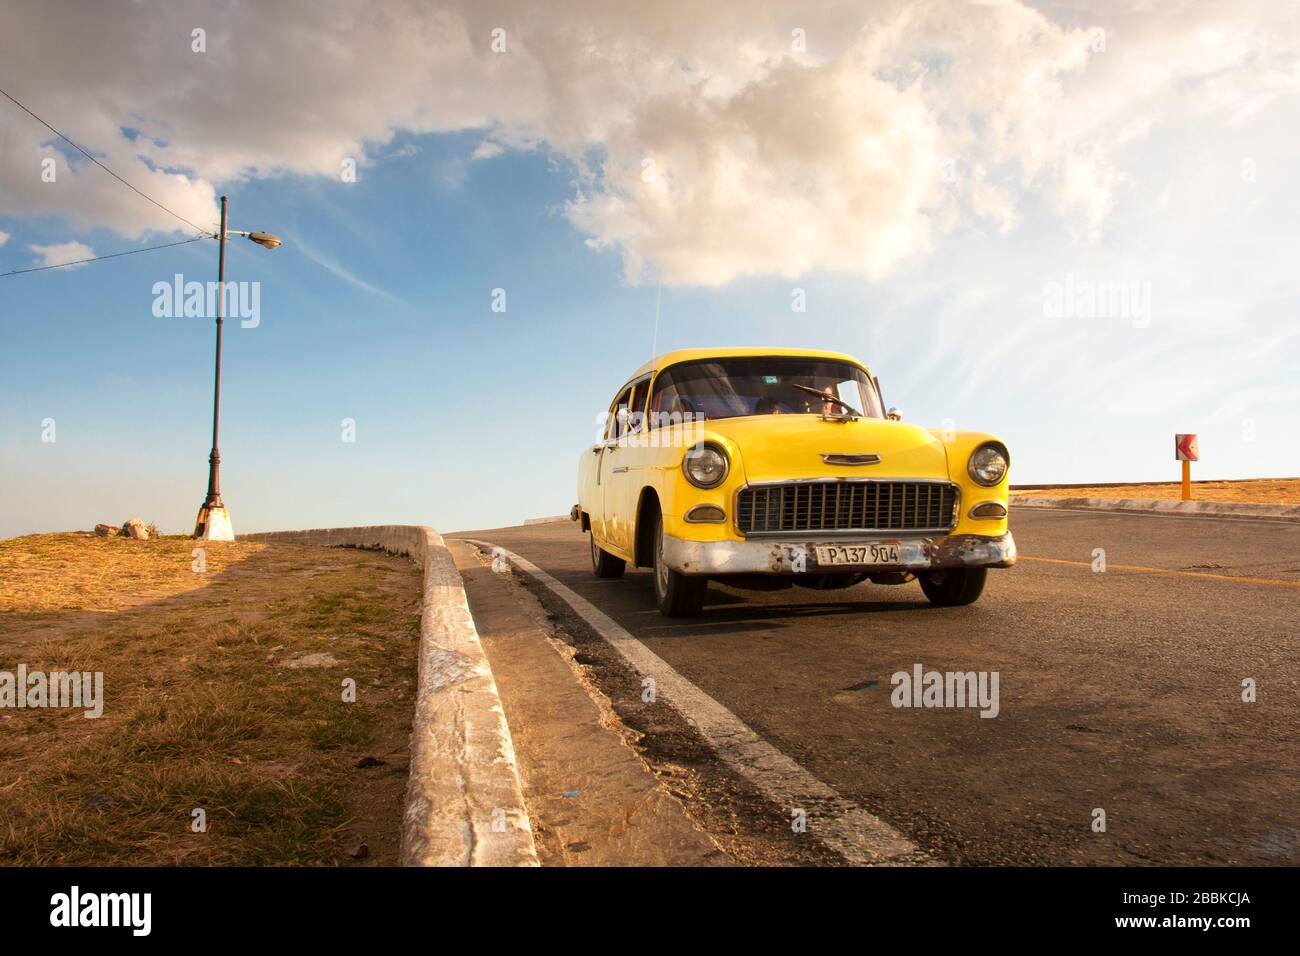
[(677, 594), (952, 587), (604, 564)]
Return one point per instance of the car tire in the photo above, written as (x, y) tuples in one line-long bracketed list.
[(604, 564), (953, 587), (677, 594)]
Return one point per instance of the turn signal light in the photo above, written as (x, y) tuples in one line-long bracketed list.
[(703, 513)]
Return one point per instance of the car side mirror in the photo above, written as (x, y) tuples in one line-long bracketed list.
[(895, 414)]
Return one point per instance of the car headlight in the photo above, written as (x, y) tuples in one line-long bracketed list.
[(988, 463), (705, 466)]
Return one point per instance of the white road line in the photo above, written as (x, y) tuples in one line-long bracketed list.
[(858, 836)]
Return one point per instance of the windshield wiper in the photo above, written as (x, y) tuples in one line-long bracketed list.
[(826, 396)]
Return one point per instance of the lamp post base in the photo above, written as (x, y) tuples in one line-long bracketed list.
[(213, 524)]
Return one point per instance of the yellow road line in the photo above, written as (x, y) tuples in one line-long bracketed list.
[(1235, 578)]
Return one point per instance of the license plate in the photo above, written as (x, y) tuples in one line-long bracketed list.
[(857, 554)]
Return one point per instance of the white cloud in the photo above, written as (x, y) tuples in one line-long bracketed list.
[(898, 123), (4, 237), (62, 253)]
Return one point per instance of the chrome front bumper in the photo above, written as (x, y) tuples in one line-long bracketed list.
[(788, 557)]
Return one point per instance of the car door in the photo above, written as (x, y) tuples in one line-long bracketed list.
[(627, 465), (605, 521)]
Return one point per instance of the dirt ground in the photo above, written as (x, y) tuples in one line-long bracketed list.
[(223, 692), (1268, 491)]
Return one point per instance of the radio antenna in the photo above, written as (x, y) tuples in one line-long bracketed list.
[(654, 343)]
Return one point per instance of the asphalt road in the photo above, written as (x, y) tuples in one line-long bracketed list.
[(1119, 691)]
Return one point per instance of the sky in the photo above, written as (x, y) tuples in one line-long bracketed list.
[(1070, 225)]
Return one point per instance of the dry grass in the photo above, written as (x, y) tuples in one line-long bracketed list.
[(198, 712), (72, 572), (1270, 491)]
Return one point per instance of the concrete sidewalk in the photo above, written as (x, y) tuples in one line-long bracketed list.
[(591, 799)]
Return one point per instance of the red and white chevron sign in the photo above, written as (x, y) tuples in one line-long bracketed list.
[(1185, 448)]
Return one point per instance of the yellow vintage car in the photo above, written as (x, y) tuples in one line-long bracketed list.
[(763, 468)]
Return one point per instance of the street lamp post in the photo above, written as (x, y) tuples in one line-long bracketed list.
[(213, 523)]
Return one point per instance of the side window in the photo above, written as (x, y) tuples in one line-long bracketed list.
[(617, 422), (663, 400), (636, 414)]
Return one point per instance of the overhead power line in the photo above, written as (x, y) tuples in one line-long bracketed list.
[(111, 255), (207, 232)]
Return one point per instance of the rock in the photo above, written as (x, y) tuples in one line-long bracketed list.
[(135, 528), (311, 660), (106, 530), (359, 852)]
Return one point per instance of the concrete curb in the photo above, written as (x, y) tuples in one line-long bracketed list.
[(464, 803), (1165, 506)]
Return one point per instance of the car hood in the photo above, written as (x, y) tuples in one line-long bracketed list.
[(776, 447)]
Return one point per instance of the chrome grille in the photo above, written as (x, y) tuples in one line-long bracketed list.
[(866, 506)]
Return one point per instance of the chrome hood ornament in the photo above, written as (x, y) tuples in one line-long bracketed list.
[(834, 459)]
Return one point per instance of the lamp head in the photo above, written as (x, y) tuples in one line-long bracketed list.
[(265, 239)]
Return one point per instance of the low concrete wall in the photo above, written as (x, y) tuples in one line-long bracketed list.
[(1164, 506), (551, 520), (464, 805), (1138, 484)]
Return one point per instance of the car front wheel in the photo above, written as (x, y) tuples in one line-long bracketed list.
[(604, 564), (952, 587), (677, 594)]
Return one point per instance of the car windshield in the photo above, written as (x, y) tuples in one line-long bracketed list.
[(736, 387)]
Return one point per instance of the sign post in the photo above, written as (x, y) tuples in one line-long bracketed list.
[(1185, 450)]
